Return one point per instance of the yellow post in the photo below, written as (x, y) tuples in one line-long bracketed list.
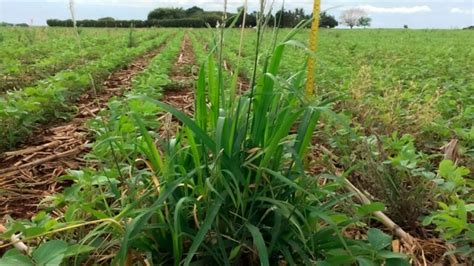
[(313, 41)]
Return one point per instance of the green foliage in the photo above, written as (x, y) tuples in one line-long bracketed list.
[(100, 23), (179, 23), (194, 10), (22, 110), (290, 19), (228, 187), (131, 40), (454, 217), (55, 52), (6, 24), (49, 253), (327, 21), (452, 179), (167, 13), (392, 170), (393, 94), (364, 22)]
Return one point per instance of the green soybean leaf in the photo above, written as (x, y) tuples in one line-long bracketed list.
[(15, 257), (370, 208), (378, 239), (50, 253), (365, 262), (397, 262), (391, 255)]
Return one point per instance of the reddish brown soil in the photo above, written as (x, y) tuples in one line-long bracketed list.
[(30, 174)]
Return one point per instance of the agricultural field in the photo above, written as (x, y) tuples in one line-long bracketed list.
[(201, 146)]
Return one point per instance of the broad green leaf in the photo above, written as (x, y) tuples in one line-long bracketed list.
[(370, 208), (50, 253), (397, 262), (365, 262), (16, 258), (391, 255), (378, 239), (260, 244)]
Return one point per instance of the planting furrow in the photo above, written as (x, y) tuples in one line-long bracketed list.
[(180, 94), (30, 174)]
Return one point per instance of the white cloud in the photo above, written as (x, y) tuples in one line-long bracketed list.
[(462, 11), (395, 10)]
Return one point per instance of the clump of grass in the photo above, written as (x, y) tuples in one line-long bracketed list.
[(229, 188), (397, 174), (131, 39)]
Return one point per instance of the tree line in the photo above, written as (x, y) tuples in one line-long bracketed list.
[(196, 17), (6, 24)]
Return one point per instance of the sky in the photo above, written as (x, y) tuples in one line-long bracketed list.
[(444, 14)]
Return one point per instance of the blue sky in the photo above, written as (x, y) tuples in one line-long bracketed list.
[(386, 14)]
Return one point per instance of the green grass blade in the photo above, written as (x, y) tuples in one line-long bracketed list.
[(305, 131), (153, 153), (260, 244), (135, 227), (210, 217), (177, 240), (201, 109)]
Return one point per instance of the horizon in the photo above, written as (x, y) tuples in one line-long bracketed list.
[(385, 14)]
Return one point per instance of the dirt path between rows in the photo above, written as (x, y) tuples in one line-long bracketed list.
[(181, 94), (30, 174)]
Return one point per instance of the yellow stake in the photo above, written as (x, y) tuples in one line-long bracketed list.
[(313, 41)]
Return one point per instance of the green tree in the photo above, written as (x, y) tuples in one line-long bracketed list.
[(327, 21), (364, 22), (106, 19), (289, 19), (166, 13), (194, 10)]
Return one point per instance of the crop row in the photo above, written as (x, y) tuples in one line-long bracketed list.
[(20, 111), (20, 71)]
